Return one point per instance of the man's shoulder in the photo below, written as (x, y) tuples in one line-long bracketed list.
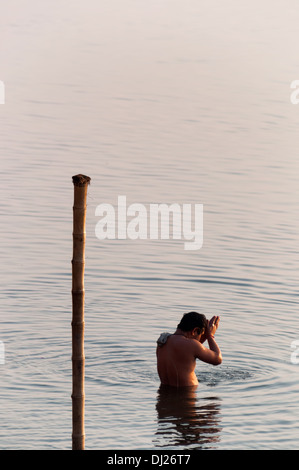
[(195, 346), (187, 343), (163, 339)]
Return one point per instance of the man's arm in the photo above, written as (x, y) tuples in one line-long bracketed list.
[(211, 355)]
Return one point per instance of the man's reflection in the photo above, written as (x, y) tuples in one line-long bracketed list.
[(187, 420)]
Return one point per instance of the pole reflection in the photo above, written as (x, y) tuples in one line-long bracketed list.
[(187, 420)]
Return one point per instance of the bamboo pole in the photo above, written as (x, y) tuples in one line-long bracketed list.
[(78, 358)]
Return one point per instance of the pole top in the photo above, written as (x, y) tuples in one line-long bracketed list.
[(81, 180)]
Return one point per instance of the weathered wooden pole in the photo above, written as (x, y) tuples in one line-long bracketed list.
[(81, 183)]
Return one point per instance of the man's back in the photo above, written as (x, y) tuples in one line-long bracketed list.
[(176, 361)]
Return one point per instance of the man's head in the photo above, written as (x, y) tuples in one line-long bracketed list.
[(193, 321)]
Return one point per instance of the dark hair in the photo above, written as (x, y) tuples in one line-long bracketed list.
[(193, 320)]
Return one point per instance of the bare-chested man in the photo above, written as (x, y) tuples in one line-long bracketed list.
[(177, 353)]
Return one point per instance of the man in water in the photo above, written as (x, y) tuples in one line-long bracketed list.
[(177, 353)]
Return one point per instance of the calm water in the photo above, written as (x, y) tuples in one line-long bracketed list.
[(162, 102)]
